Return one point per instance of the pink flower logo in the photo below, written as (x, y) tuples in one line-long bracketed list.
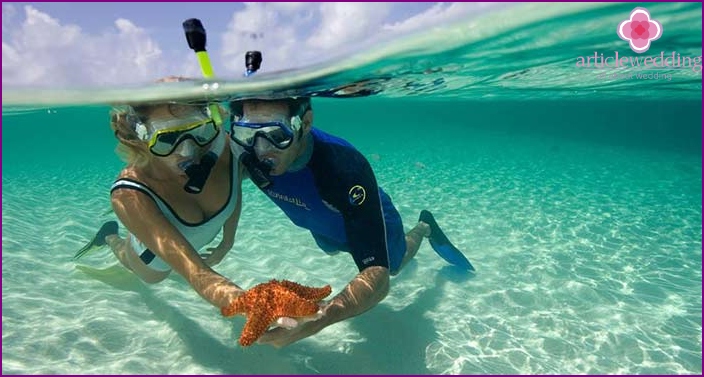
[(639, 30)]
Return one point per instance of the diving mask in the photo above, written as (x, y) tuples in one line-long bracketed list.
[(167, 135), (279, 134)]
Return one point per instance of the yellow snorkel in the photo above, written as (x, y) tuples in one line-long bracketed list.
[(198, 173), (195, 35)]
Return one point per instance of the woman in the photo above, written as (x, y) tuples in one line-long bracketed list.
[(181, 186)]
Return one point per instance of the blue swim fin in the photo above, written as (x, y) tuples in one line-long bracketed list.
[(442, 246), (107, 229)]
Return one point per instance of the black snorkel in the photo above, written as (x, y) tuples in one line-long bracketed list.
[(252, 62), (198, 173), (258, 170)]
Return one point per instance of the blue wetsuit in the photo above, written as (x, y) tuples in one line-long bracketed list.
[(336, 197)]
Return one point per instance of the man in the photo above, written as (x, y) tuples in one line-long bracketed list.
[(323, 184)]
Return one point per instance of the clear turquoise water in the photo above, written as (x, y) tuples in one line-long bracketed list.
[(582, 214)]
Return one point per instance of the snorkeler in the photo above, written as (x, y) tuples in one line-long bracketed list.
[(323, 184), (180, 187)]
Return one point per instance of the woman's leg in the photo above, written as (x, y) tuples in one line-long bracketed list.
[(124, 252)]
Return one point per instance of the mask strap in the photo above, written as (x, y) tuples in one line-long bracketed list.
[(142, 132), (297, 126), (214, 114)]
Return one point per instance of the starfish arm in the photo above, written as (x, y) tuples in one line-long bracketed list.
[(256, 325), (289, 304), (311, 293), (237, 306), (264, 303)]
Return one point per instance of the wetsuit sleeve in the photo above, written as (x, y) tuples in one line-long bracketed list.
[(354, 192)]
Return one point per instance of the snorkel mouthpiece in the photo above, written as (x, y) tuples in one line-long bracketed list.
[(198, 173), (258, 170), (269, 162)]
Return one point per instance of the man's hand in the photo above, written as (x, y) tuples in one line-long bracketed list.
[(290, 330), (289, 323), (367, 289)]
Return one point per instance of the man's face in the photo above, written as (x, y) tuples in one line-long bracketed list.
[(265, 151)]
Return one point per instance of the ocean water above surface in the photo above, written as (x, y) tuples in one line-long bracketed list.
[(567, 51)]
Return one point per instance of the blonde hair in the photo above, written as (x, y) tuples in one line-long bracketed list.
[(123, 121)]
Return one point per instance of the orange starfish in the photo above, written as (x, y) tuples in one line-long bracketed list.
[(264, 303)]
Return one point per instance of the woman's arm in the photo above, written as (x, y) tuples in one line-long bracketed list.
[(143, 219), (229, 230)]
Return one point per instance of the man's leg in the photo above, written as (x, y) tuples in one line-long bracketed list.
[(413, 240), (327, 245), (402, 248)]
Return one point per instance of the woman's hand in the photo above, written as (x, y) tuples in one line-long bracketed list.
[(216, 254)]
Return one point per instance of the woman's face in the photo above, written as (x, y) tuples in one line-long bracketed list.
[(171, 123)]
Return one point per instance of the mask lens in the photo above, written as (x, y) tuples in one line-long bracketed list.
[(244, 133), (168, 138), (165, 141), (278, 136)]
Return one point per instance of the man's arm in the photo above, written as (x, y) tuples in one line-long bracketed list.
[(353, 190), (356, 194), (366, 290)]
